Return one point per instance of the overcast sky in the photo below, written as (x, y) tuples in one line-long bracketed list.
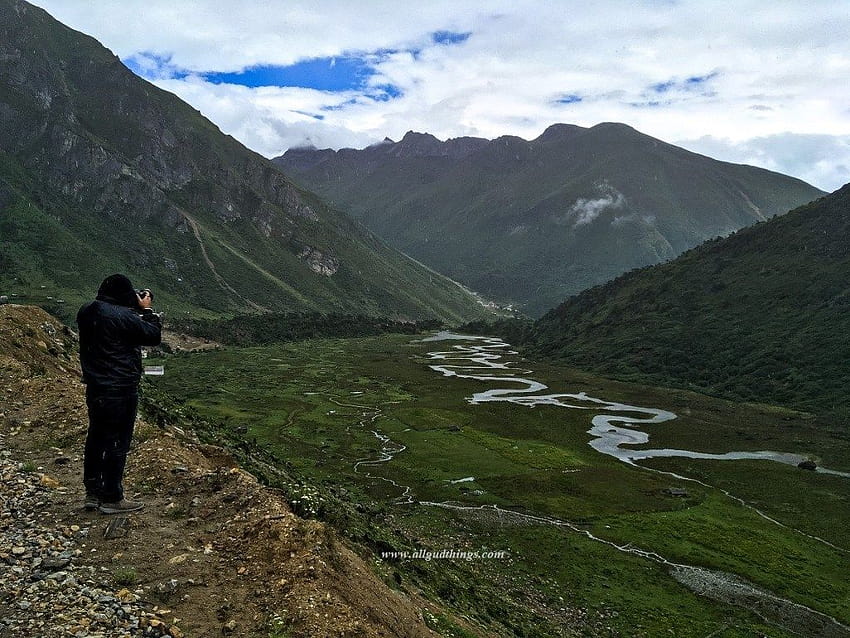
[(759, 82)]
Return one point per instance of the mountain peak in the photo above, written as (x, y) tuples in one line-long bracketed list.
[(415, 144), (416, 136), (615, 127), (535, 221), (559, 132)]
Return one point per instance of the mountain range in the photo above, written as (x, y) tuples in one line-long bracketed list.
[(101, 172), (534, 222)]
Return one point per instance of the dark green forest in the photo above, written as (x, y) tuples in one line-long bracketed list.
[(759, 316)]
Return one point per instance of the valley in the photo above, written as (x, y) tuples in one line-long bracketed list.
[(401, 457), (587, 383)]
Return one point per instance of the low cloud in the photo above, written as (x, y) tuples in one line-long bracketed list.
[(584, 211)]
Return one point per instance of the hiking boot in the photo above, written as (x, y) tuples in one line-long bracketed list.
[(92, 501), (121, 507)]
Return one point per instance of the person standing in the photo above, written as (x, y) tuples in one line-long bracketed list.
[(113, 328)]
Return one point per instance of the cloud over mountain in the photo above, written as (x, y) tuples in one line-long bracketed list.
[(584, 211), (278, 75)]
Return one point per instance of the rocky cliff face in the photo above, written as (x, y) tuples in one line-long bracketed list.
[(94, 131), (142, 179)]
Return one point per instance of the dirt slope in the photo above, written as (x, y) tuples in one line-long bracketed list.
[(214, 552)]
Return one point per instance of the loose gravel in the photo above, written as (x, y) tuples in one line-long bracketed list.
[(45, 591)]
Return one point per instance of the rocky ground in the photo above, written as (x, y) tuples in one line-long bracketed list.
[(49, 589), (213, 553)]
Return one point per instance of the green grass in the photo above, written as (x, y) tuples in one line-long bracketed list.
[(444, 625), (305, 403), (125, 576)]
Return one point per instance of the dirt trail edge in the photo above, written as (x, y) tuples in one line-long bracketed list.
[(213, 553)]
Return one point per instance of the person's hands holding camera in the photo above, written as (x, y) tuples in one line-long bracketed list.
[(145, 298)]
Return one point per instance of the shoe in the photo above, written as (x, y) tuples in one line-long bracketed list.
[(92, 501), (121, 507)]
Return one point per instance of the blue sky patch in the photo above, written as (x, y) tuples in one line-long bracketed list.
[(334, 74), (323, 74), (132, 63), (339, 107), (450, 37), (385, 92), (569, 98), (696, 80), (664, 87), (690, 84)]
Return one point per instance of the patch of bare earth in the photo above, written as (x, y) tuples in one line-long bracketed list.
[(214, 552), (181, 342)]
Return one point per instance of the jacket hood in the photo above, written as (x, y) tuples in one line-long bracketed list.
[(118, 289)]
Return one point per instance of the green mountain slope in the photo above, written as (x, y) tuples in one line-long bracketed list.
[(762, 315), (101, 171), (536, 221)]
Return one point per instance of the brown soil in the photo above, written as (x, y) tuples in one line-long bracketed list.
[(180, 342), (213, 548)]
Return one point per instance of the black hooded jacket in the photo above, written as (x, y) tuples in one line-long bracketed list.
[(111, 333)]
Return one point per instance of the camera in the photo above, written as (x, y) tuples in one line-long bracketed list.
[(148, 314)]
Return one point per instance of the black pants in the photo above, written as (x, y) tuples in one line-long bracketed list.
[(112, 414)]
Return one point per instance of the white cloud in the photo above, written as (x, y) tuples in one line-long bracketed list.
[(773, 96), (583, 211)]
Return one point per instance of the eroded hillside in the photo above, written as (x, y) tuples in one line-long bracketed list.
[(214, 552)]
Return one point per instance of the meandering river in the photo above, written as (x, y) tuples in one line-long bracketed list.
[(615, 430), (616, 425)]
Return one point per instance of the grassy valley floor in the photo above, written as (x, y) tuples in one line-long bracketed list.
[(398, 460)]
